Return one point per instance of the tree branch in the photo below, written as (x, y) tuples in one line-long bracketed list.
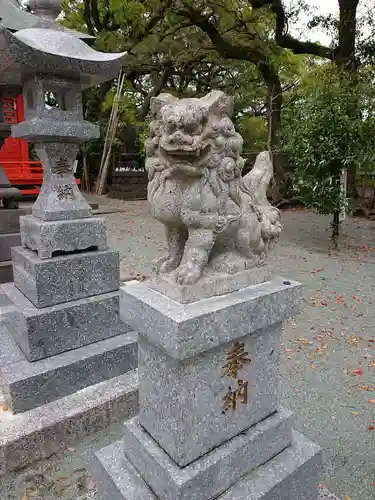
[(95, 15), (87, 17), (158, 87), (226, 49), (283, 39)]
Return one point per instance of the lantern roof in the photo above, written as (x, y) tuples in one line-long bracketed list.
[(43, 50)]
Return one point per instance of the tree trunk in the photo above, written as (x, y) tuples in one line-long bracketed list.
[(345, 53), (275, 101), (346, 61), (157, 88), (104, 88)]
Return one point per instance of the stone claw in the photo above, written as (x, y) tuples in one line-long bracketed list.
[(188, 274)]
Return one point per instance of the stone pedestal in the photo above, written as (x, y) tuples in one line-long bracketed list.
[(210, 425)]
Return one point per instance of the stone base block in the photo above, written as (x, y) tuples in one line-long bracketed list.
[(193, 406), (210, 286), (41, 333), (63, 236), (183, 330), (66, 277), (7, 241), (29, 385), (216, 471), (6, 271), (293, 475), (10, 220), (36, 434)]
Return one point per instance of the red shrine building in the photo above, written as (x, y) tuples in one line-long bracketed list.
[(22, 173)]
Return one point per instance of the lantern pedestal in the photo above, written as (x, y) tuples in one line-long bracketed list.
[(68, 362)]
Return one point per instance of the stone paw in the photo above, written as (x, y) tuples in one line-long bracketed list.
[(165, 264), (157, 264), (168, 266), (188, 274)]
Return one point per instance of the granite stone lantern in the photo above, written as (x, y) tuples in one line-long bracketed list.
[(60, 331)]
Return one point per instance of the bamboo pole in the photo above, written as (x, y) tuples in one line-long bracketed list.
[(110, 136)]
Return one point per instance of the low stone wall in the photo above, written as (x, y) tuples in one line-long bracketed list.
[(129, 185)]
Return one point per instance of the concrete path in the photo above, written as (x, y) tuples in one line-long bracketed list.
[(328, 360)]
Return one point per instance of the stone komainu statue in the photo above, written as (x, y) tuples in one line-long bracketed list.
[(216, 220)]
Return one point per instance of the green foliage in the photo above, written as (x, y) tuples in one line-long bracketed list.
[(141, 138), (254, 132), (329, 127)]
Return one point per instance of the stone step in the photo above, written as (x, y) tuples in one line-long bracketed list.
[(45, 332), (65, 278), (218, 470), (10, 219), (36, 434), (6, 271), (28, 385), (293, 474), (7, 241)]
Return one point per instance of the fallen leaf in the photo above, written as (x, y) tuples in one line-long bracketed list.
[(366, 387), (353, 340), (314, 271), (347, 497), (313, 366), (323, 486), (370, 427), (358, 371)]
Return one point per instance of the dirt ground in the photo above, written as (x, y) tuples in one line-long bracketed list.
[(328, 361)]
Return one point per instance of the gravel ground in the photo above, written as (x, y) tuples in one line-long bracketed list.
[(328, 360)]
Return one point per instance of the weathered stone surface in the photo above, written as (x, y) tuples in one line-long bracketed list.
[(29, 385), (10, 220), (7, 241), (294, 475), (216, 471), (115, 477), (184, 407), (291, 475), (59, 197), (55, 329), (184, 330), (210, 285), (66, 277), (63, 236), (215, 220), (36, 434)]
